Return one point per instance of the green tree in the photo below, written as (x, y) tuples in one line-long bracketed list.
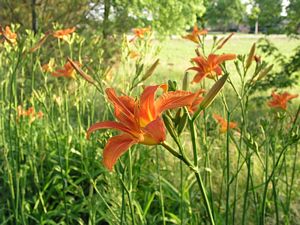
[(224, 14), (269, 18), (293, 11), (111, 16)]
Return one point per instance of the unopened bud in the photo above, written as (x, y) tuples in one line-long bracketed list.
[(150, 71), (264, 72), (81, 72), (169, 125), (185, 82), (212, 93), (182, 123), (250, 56)]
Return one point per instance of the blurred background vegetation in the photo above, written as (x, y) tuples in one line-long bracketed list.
[(166, 17)]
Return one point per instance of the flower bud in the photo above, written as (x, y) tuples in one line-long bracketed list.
[(150, 71), (250, 56), (264, 72), (169, 125), (182, 123), (212, 93)]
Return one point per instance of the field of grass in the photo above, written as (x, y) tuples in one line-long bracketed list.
[(175, 54), (239, 170)]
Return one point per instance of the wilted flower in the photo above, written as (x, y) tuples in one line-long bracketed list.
[(224, 123), (139, 120), (210, 66), (279, 101), (194, 35), (257, 58)]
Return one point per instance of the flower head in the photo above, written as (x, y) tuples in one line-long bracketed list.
[(139, 120), (224, 123), (8, 35), (140, 32), (210, 66), (67, 71), (279, 101), (194, 35), (63, 34)]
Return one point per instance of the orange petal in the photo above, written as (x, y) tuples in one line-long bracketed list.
[(147, 107), (107, 125), (124, 107), (225, 57), (198, 77), (155, 132), (174, 99), (115, 147), (218, 118)]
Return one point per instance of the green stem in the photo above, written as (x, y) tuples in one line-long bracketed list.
[(161, 197), (198, 178)]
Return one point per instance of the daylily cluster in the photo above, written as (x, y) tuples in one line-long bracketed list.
[(140, 120), (279, 101), (8, 35), (29, 113)]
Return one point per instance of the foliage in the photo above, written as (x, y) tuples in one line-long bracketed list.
[(293, 26), (224, 14), (269, 16), (287, 75)]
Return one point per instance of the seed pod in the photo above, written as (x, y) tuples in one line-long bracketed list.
[(182, 123), (250, 56), (169, 125)]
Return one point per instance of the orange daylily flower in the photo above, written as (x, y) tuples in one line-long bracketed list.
[(194, 35), (210, 66), (139, 32), (279, 101), (139, 120), (62, 34), (66, 71), (8, 35), (30, 113), (223, 123)]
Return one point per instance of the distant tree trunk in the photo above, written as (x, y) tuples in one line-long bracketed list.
[(34, 17), (105, 30), (256, 27)]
